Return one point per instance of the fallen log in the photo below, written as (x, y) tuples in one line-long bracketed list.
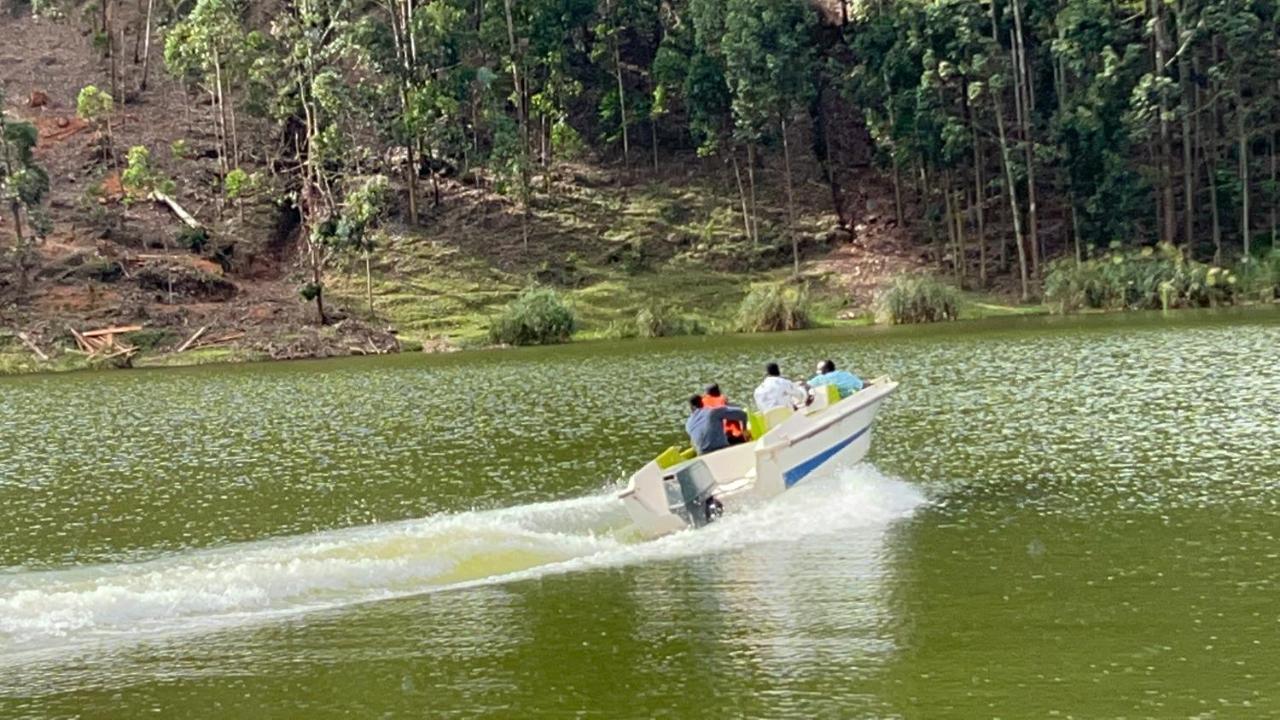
[(177, 209), (27, 341), (128, 350), (117, 330), (195, 336), (84, 345), (221, 340)]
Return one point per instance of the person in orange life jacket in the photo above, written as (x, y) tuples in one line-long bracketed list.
[(734, 430), (706, 425)]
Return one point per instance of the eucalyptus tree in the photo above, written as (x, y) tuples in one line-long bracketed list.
[(97, 106), (1244, 68), (632, 24), (23, 185), (416, 91), (212, 47), (312, 48), (769, 68)]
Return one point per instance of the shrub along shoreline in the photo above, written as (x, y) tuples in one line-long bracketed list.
[(1157, 278), (1152, 278)]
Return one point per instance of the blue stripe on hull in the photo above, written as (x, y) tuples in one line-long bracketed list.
[(799, 472)]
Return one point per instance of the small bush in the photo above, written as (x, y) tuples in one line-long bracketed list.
[(661, 320), (151, 339), (774, 308), (635, 260), (917, 299), (1145, 279), (193, 239), (654, 320), (1259, 278), (139, 178), (537, 317)]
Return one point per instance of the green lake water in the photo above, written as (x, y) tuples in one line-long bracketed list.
[(1058, 518)]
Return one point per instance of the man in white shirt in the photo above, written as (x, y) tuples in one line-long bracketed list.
[(777, 391)]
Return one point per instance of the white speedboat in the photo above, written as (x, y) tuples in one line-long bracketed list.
[(677, 490)]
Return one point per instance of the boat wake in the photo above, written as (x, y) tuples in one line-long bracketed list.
[(260, 581)]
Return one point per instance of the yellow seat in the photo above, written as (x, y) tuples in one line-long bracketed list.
[(670, 456), (774, 417), (833, 394), (689, 453)]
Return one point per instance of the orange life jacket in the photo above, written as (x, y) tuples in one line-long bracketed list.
[(714, 401)]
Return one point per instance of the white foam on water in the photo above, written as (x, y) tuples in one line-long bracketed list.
[(260, 581)]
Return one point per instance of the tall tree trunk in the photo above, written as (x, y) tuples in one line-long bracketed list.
[(1275, 190), (108, 25), (822, 148), (979, 188), (19, 234), (898, 215), (1164, 154), (926, 199), (224, 151), (544, 152), (398, 31), (368, 280), (1187, 90), (751, 187), (523, 125), (791, 203), (15, 205), (1075, 233), (146, 48), (1010, 184), (137, 36), (412, 176), (1211, 171), (622, 102), (235, 138), (653, 131), (111, 143), (1271, 149), (897, 172), (317, 281), (1060, 79), (1243, 139), (962, 240), (1022, 86), (742, 194)]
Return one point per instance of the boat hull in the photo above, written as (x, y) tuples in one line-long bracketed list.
[(806, 445)]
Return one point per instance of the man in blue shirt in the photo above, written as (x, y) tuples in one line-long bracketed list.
[(706, 425), (846, 382)]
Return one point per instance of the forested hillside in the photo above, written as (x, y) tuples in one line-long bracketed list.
[(322, 147)]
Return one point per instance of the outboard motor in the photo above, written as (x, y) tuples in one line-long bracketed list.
[(689, 494)]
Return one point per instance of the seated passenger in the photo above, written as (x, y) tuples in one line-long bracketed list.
[(734, 430), (706, 425), (846, 382), (713, 398), (776, 391)]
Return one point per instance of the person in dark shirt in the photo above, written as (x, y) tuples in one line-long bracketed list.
[(706, 425), (734, 431)]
